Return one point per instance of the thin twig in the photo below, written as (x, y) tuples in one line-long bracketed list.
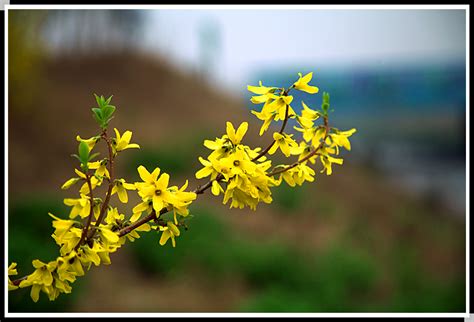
[(91, 213), (111, 183)]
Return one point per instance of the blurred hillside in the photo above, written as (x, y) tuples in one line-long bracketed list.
[(158, 105)]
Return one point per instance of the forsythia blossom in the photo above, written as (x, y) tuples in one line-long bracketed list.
[(243, 175)]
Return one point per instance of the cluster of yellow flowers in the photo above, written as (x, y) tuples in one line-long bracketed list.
[(243, 175), (234, 163), (246, 173)]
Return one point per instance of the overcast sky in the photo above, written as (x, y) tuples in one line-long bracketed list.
[(251, 38)]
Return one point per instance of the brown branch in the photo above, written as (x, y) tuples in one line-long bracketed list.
[(91, 213), (144, 220), (200, 189), (111, 183), (18, 281)]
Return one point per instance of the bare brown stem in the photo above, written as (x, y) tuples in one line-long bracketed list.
[(200, 189), (111, 183), (91, 213)]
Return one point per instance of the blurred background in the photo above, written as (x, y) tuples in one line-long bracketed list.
[(384, 233)]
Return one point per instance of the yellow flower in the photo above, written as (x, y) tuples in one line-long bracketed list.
[(340, 138), (236, 136), (107, 235), (208, 169), (69, 183), (67, 269), (278, 107), (216, 188), (267, 117), (161, 195), (134, 233), (80, 206), (120, 143), (12, 271), (68, 240), (238, 164), (147, 177), (61, 226), (252, 153), (327, 162), (182, 198), (40, 279), (113, 217), (75, 266), (284, 142), (121, 187), (302, 84), (90, 255), (94, 183), (303, 173), (90, 142), (313, 134), (308, 116), (146, 205), (154, 189), (303, 150), (262, 91), (249, 188), (100, 167), (169, 231), (240, 198)]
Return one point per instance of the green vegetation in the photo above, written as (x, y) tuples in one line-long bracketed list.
[(289, 198), (342, 278)]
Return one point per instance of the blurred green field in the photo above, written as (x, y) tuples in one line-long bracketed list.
[(278, 277)]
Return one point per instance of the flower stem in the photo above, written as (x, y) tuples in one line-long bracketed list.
[(91, 213), (111, 183)]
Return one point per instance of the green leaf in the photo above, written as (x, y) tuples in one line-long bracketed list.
[(97, 98), (107, 111), (103, 113), (97, 114), (93, 156), (110, 118), (108, 100), (83, 152), (325, 105)]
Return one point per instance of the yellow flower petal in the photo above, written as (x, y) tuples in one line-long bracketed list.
[(122, 194), (144, 174), (164, 237), (69, 183), (109, 235)]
